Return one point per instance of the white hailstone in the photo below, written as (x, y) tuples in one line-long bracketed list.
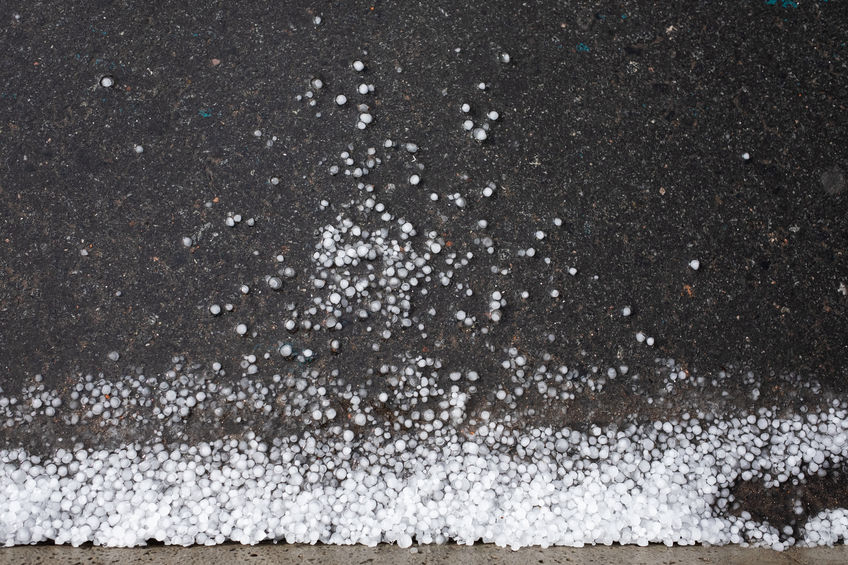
[(275, 283), (360, 419), (114, 356), (554, 293), (468, 125), (479, 134), (626, 311), (341, 99), (138, 149), (434, 196), (307, 353), (286, 350), (215, 309), (530, 252), (459, 201), (540, 235), (411, 147), (650, 341), (460, 315), (504, 58), (746, 156), (358, 66), (362, 88), (492, 115), (435, 248), (482, 224), (406, 227), (694, 264), (317, 83), (640, 337), (257, 133), (107, 81), (317, 20), (482, 86), (361, 125), (488, 191), (335, 298), (244, 289), (187, 242), (414, 179), (572, 271), (557, 222), (241, 329), (366, 118), (465, 108)]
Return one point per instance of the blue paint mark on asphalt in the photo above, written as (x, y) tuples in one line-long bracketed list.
[(582, 48), (782, 3), (205, 113)]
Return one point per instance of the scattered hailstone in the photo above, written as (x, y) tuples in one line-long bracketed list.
[(414, 180), (572, 271), (694, 264), (493, 115), (317, 20), (241, 329), (479, 134), (626, 311), (139, 149), (244, 289), (114, 356), (482, 86), (468, 125), (363, 88), (341, 99), (540, 235), (746, 156), (214, 309), (358, 66), (187, 242), (275, 283), (465, 108), (257, 133), (504, 57), (107, 81), (317, 83)]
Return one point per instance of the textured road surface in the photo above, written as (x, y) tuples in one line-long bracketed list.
[(657, 135)]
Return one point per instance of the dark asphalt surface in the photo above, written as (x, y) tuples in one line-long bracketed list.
[(629, 122)]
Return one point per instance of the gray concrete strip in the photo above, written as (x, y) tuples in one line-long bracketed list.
[(390, 554)]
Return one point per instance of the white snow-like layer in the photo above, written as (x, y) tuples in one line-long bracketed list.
[(668, 482), (828, 527)]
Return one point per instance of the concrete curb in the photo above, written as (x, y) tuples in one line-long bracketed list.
[(390, 554)]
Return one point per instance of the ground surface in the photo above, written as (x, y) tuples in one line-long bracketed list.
[(284, 554), (657, 135)]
